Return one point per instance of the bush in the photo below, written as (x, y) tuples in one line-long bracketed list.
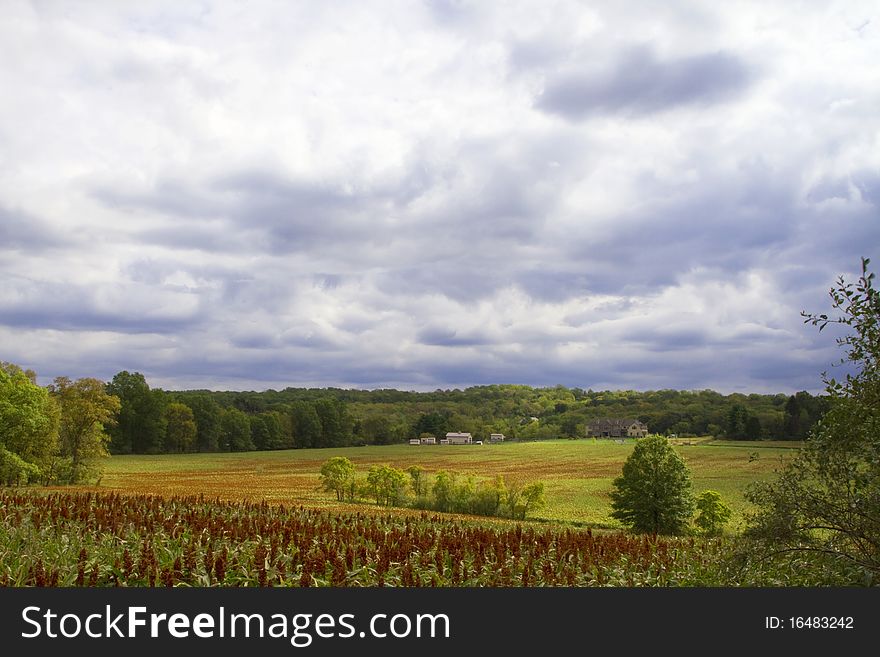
[(827, 500), (713, 513), (15, 471)]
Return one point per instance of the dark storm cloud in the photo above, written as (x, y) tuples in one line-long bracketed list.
[(639, 83)]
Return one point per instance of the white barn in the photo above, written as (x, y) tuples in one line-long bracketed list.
[(455, 438)]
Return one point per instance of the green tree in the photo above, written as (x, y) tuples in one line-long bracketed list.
[(337, 475), (259, 432), (235, 431), (523, 499), (712, 513), (306, 425), (181, 431), (753, 427), (271, 430), (377, 430), (140, 426), (86, 410), (335, 423), (386, 484), (827, 499), (653, 495), (792, 425), (735, 426), (463, 493), (433, 424), (29, 420), (417, 479), (15, 471), (533, 498), (206, 413), (443, 490), (490, 497)]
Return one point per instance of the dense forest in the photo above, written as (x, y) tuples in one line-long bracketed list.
[(153, 421), (54, 433)]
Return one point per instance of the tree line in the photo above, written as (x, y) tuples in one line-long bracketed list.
[(155, 421), (445, 491), (55, 434)]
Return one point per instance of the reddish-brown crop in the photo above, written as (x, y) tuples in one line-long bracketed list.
[(88, 539)]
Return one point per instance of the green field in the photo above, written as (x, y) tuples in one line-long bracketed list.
[(577, 474)]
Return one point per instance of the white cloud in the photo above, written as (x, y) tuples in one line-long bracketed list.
[(377, 194)]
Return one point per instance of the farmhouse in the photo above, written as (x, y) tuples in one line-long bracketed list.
[(453, 438), (617, 428), (429, 440), (496, 438)]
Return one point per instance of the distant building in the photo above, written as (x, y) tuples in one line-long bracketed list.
[(454, 438), (617, 428), (429, 440), (415, 441), (496, 438)]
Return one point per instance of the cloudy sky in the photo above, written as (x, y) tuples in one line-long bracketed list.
[(434, 194)]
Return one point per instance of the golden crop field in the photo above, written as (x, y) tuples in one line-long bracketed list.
[(577, 474)]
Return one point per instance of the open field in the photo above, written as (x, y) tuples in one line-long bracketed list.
[(577, 474)]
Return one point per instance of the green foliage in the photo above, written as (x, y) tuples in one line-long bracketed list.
[(431, 424), (140, 426), (653, 495), (86, 409), (206, 414), (267, 431), (335, 423), (712, 513), (332, 417), (386, 484), (29, 420), (306, 425), (443, 490), (235, 431), (417, 479), (337, 475), (379, 430), (741, 424), (490, 497), (15, 471), (181, 430), (450, 492), (827, 500), (259, 432), (522, 500)]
